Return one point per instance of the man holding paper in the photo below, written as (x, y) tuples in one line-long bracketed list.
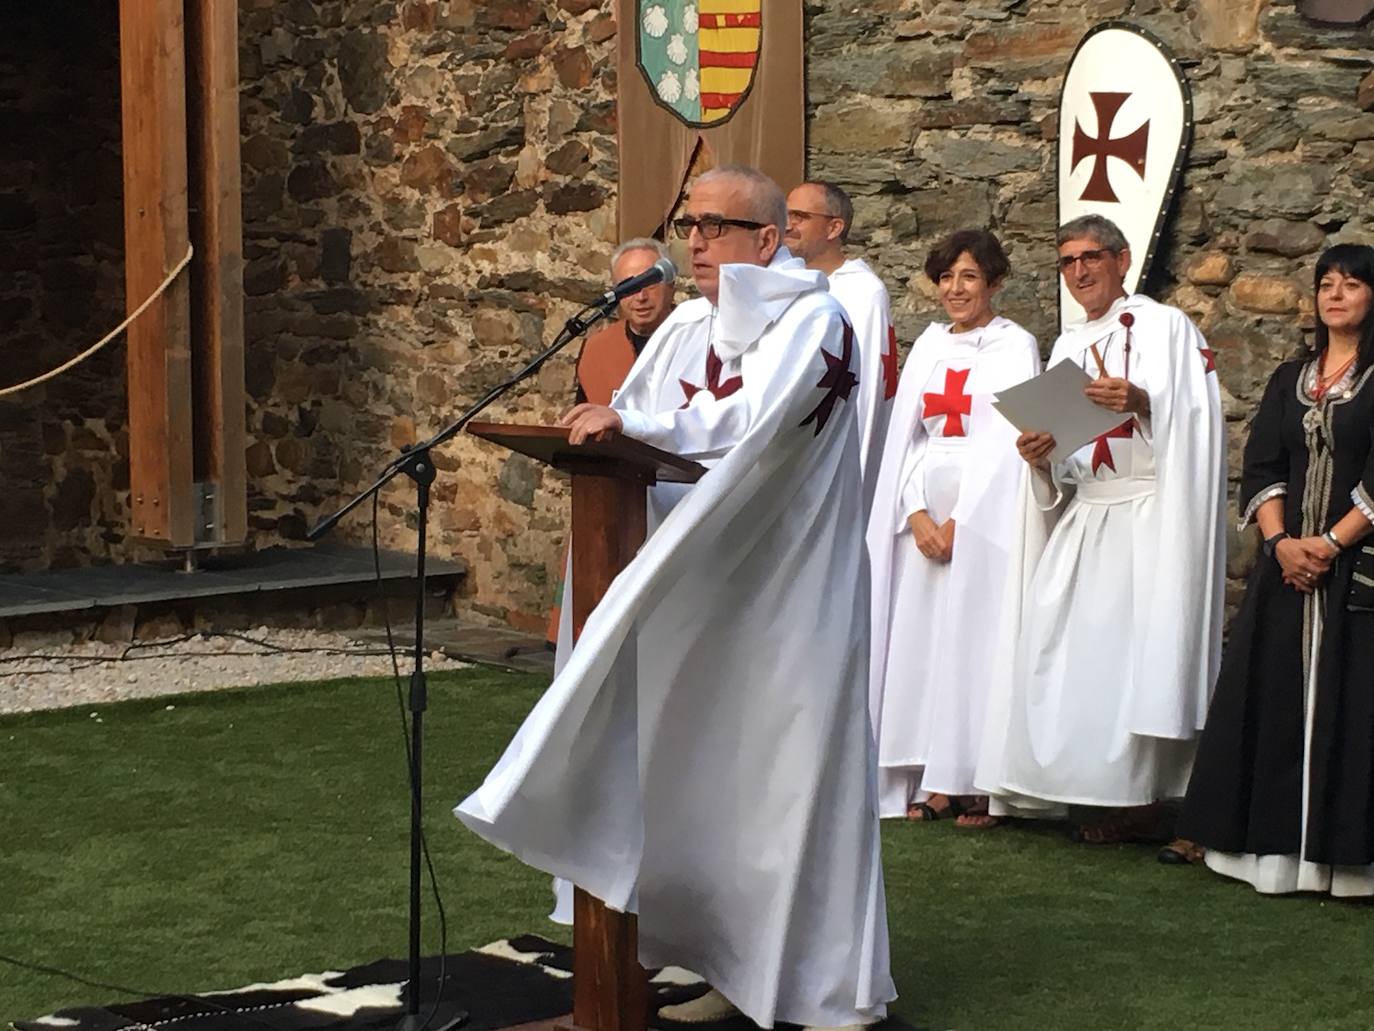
[(1117, 626)]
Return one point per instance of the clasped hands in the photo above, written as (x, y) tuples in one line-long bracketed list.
[(1110, 392), (935, 542), (591, 422), (1304, 561)]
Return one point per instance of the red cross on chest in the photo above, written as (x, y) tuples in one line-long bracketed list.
[(954, 404), (720, 391), (1102, 449)]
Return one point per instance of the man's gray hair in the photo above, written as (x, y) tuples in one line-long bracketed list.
[(639, 243), (1093, 227), (764, 198)]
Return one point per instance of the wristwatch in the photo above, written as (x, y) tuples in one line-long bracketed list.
[(1335, 542), (1270, 543)]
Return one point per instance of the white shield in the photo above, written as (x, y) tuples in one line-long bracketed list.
[(1125, 123)]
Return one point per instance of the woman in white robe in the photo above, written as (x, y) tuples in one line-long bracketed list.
[(947, 492)]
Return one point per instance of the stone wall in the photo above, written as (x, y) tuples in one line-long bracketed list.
[(63, 446), (429, 192)]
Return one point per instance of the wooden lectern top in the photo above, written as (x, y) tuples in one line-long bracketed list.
[(620, 457)]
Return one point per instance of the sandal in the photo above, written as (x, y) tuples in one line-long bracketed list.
[(1181, 852), (1147, 824), (924, 812), (976, 816)]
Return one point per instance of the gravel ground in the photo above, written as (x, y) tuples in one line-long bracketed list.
[(54, 677)]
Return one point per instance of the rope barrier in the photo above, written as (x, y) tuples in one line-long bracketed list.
[(52, 374)]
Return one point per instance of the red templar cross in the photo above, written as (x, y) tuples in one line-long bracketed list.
[(890, 366), (1130, 149), (838, 382), (720, 391), (1102, 450), (953, 404)]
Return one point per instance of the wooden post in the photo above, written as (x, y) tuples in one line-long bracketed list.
[(216, 227), (153, 99), (610, 988), (610, 481)]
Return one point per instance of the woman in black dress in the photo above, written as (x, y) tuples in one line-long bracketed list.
[(1282, 791)]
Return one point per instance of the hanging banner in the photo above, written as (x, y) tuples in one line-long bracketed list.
[(720, 76), (1125, 125)]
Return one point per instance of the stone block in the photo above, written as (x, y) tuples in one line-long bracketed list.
[(1266, 294), (1211, 268), (1291, 239), (1227, 25)]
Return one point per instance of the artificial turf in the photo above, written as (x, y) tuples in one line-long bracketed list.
[(204, 842)]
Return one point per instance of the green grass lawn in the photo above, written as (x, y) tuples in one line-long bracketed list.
[(253, 834)]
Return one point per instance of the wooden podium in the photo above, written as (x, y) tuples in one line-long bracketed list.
[(610, 481)]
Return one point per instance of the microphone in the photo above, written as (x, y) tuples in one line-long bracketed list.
[(662, 271)]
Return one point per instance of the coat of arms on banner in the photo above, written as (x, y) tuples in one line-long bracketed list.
[(699, 56), (1125, 125)]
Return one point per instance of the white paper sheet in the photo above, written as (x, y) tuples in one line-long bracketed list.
[(1054, 403)]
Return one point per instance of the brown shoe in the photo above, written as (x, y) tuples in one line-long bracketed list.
[(1147, 824)]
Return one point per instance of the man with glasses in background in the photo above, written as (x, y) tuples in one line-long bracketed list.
[(1115, 644), (819, 218), (704, 759)]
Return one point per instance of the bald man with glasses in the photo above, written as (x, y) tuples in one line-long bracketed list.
[(1116, 640), (705, 758), (820, 216)]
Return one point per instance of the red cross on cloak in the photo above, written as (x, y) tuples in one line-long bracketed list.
[(1130, 149), (1209, 360), (838, 381), (890, 366), (953, 404), (1102, 450), (720, 391)]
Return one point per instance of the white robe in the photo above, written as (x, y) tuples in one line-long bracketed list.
[(864, 299), (705, 759), (675, 355), (934, 642), (1117, 626)]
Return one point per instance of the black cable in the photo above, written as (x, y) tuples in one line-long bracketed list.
[(197, 1000), (410, 770), (76, 663)]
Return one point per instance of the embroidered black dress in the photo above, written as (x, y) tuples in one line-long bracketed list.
[(1282, 790)]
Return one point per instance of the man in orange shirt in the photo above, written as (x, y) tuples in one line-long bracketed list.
[(608, 354)]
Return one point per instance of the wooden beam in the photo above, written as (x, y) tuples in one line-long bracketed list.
[(153, 100), (216, 225)]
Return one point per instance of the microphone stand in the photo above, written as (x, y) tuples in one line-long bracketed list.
[(414, 462)]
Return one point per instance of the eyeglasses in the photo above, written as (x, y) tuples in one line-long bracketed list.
[(801, 216), (709, 226), (1090, 259)]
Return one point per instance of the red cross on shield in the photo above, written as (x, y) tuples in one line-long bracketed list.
[(1125, 123)]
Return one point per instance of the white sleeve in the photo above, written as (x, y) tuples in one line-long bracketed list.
[(707, 428)]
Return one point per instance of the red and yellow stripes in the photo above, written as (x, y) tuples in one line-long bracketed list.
[(728, 37)]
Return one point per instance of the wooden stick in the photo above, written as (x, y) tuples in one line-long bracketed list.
[(1097, 357)]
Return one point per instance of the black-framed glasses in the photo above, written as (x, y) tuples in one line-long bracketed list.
[(710, 226), (1090, 259)]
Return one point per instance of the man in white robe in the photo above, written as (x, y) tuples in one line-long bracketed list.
[(705, 759), (819, 218), (1116, 631)]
